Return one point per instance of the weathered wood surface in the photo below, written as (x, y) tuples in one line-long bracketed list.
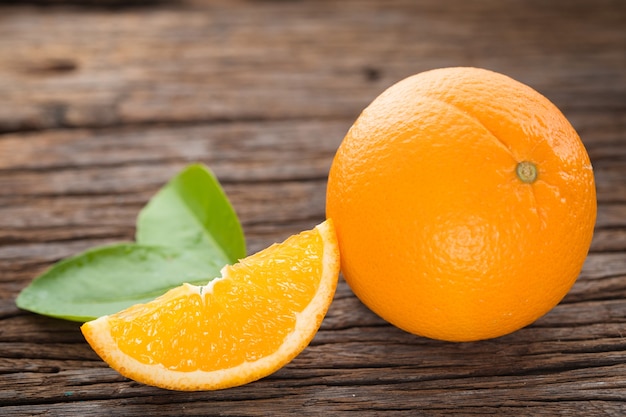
[(102, 102)]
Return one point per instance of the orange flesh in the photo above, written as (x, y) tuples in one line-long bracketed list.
[(225, 315)]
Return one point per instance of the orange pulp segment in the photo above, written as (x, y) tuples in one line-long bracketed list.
[(241, 327)]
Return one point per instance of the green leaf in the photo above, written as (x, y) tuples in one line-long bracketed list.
[(108, 279), (186, 233), (192, 210)]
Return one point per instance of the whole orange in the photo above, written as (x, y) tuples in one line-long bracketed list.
[(464, 204)]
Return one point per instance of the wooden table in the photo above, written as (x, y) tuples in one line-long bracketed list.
[(101, 102)]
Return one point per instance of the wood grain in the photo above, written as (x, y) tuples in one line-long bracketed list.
[(103, 101), (264, 60)]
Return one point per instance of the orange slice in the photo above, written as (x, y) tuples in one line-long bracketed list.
[(241, 327)]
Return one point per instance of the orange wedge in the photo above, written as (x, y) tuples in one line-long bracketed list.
[(241, 327)]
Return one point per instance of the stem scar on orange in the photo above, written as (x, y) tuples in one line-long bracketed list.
[(464, 204)]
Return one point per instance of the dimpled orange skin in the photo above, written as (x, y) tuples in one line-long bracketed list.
[(437, 233)]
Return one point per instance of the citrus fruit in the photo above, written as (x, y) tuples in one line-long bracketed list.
[(464, 204), (247, 324)]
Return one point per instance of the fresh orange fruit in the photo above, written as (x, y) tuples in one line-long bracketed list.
[(464, 204), (247, 324)]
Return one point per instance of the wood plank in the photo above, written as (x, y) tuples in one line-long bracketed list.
[(311, 401), (318, 60), (238, 151)]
